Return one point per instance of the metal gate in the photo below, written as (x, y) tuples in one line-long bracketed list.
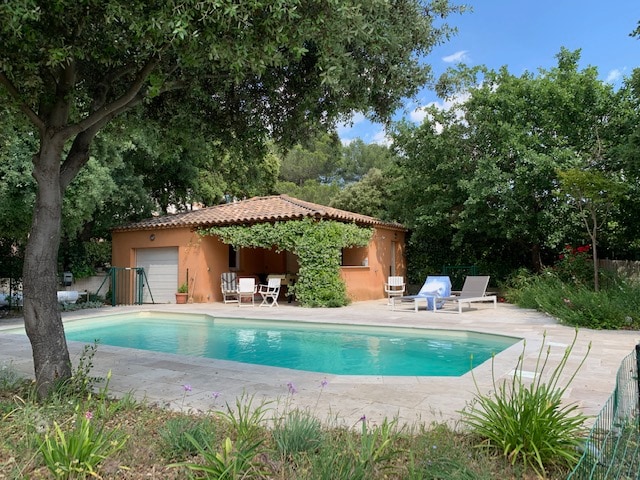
[(127, 286)]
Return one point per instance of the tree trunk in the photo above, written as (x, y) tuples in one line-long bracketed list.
[(42, 318), (596, 272), (536, 258)]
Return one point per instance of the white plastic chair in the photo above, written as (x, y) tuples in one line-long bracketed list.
[(395, 287), (247, 290), (270, 292)]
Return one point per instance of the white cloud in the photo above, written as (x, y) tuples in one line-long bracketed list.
[(381, 138), (420, 113), (457, 57), (614, 76)]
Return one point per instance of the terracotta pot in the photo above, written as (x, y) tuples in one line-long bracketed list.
[(181, 297)]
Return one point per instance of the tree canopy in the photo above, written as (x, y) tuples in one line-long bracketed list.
[(485, 172)]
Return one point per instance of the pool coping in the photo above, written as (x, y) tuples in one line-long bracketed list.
[(159, 378)]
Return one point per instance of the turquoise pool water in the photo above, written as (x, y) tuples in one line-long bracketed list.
[(326, 348)]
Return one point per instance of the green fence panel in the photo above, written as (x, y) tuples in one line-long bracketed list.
[(457, 274), (611, 451), (126, 286)]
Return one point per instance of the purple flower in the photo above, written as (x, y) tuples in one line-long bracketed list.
[(363, 418), (187, 387), (292, 388), (88, 415), (215, 395), (324, 383)]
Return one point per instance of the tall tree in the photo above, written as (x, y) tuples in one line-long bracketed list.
[(368, 196), (318, 159), (594, 195), (257, 68), (505, 143), (358, 158)]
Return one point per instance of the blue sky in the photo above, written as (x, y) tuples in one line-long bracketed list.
[(526, 36)]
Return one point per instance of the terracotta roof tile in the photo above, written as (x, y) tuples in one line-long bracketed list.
[(254, 210)]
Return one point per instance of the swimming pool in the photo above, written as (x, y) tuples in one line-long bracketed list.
[(314, 347)]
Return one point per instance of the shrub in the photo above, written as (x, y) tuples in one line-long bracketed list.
[(230, 463), (615, 306), (9, 377), (529, 423), (81, 383), (78, 452), (176, 433), (575, 265), (298, 431), (246, 420)]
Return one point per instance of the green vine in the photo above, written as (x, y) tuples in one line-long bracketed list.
[(318, 245)]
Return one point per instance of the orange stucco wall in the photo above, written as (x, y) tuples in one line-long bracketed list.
[(206, 258), (366, 281)]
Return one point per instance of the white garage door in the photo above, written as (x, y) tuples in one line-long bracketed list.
[(161, 268)]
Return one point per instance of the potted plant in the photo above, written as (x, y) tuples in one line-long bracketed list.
[(183, 293)]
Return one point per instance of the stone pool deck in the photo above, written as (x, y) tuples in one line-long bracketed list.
[(159, 378)]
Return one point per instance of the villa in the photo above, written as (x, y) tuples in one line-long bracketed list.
[(172, 252)]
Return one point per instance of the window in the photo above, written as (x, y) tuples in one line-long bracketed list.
[(234, 258), (355, 257)]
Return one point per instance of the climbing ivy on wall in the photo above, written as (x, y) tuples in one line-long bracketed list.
[(318, 245)]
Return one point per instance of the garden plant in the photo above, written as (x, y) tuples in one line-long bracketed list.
[(528, 422)]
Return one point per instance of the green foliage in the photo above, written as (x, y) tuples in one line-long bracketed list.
[(359, 158), (530, 424), (179, 436), (319, 159), (184, 288), (232, 462), (594, 194), (575, 265), (348, 177), (9, 378), (375, 445), (84, 258), (363, 454), (615, 306), (368, 196), (78, 452), (484, 174), (73, 307), (333, 462), (246, 420), (81, 383), (419, 452), (311, 191), (439, 452), (297, 431), (318, 245)]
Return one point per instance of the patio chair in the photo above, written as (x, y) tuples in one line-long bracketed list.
[(395, 287), (270, 292), (434, 289), (473, 290), (229, 287), (246, 289)]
